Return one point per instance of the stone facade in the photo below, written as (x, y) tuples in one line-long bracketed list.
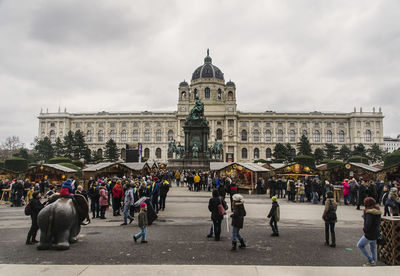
[(246, 135)]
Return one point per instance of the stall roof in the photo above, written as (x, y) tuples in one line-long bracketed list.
[(278, 165), (98, 167), (253, 167), (60, 168), (136, 166), (216, 166), (365, 166)]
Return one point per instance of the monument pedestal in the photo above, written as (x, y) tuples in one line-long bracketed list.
[(189, 164)]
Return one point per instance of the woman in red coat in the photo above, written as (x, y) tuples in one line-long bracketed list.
[(117, 196), (346, 191)]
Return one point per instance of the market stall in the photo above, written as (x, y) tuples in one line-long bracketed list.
[(114, 169), (349, 170), (390, 173), (6, 174), (295, 171), (55, 174)]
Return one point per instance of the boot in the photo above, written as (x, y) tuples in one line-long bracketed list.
[(333, 244), (326, 240), (34, 239), (28, 240), (233, 246), (242, 244)]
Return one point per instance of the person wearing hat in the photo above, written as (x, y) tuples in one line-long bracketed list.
[(35, 207), (142, 223), (237, 220), (274, 216), (330, 218), (66, 189)]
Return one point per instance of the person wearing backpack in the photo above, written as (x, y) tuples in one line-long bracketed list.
[(217, 206), (330, 218), (33, 210), (274, 216)]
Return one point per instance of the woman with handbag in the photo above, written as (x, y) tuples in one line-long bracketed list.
[(217, 206), (330, 218)]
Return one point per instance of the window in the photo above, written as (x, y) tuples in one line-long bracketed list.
[(244, 124), (291, 124), (304, 124), (280, 124), (147, 135), (341, 136), (170, 124), (100, 153), (368, 136), (280, 135), (124, 137), (219, 134), (112, 124), (52, 124), (255, 124), (219, 123), (304, 133), (183, 95), (158, 135), (170, 155), (256, 153), (158, 124), (136, 135), (341, 124), (100, 136), (329, 124), (135, 124), (367, 124), (244, 153), (256, 136), (244, 135), (147, 124), (112, 135), (267, 124), (195, 93), (329, 136), (123, 153), (317, 136), (316, 124), (123, 124), (268, 153), (158, 153), (268, 136), (231, 122), (207, 93), (52, 136), (147, 153), (170, 135), (89, 136), (77, 125), (219, 94), (101, 124), (89, 124), (292, 136), (230, 95)]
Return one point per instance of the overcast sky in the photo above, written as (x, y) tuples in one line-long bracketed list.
[(131, 55)]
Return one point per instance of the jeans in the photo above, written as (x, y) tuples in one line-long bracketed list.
[(162, 202), (142, 233), (362, 243), (177, 182), (302, 198), (314, 197), (212, 229), (94, 206), (346, 200), (217, 226), (127, 215), (330, 226), (274, 225), (235, 234)]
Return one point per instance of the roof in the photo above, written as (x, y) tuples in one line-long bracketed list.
[(98, 166), (60, 168), (365, 166), (322, 167), (216, 166), (278, 165), (253, 167), (136, 166), (207, 70)]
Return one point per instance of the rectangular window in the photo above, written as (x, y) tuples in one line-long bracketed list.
[(77, 125), (101, 124), (244, 124), (147, 124), (135, 124), (230, 123), (89, 124), (304, 124), (292, 124), (267, 124), (123, 124), (112, 124), (52, 124), (280, 124), (316, 124), (219, 123), (170, 124), (329, 124), (255, 124)]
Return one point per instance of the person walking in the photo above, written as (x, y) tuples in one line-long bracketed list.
[(372, 221), (237, 216), (128, 202), (330, 218), (35, 207), (163, 193), (177, 178), (217, 214), (103, 201), (274, 216), (142, 223)]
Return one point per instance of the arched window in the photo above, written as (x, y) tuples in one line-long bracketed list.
[(170, 135), (268, 153), (368, 136), (183, 97), (304, 132), (317, 136), (195, 93), (136, 135), (147, 135), (89, 136), (207, 93), (268, 136), (230, 95), (100, 153), (100, 136), (124, 136), (256, 135), (112, 135), (158, 153), (219, 134), (52, 136), (123, 153), (280, 135), (329, 136), (219, 94), (244, 153), (244, 135), (292, 136), (256, 153), (158, 135), (146, 153)]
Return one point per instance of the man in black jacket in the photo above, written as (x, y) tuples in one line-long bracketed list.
[(362, 193), (216, 217), (35, 207)]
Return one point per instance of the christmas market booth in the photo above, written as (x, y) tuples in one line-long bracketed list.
[(55, 174), (7, 174), (295, 171), (244, 174), (349, 170)]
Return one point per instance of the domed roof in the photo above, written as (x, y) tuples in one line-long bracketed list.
[(207, 70), (184, 83), (230, 83)]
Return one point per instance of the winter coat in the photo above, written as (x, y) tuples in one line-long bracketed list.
[(314, 186), (238, 214), (362, 193), (164, 188), (394, 198), (103, 200), (117, 191), (93, 193), (233, 189), (274, 213), (373, 191), (328, 208), (142, 218), (346, 188), (36, 206), (129, 199), (301, 189), (372, 221), (213, 205)]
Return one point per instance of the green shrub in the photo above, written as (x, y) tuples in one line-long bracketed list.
[(77, 163), (392, 159), (16, 164), (305, 160), (358, 159), (58, 160)]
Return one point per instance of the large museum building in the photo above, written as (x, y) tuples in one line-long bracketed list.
[(247, 136)]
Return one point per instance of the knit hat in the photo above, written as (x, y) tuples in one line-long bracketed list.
[(143, 205), (237, 197), (273, 198)]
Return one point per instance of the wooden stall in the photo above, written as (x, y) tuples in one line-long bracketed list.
[(53, 173), (7, 174), (112, 169), (295, 171), (350, 170), (390, 173), (244, 174), (137, 169)]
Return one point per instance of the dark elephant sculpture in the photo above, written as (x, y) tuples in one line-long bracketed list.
[(60, 222)]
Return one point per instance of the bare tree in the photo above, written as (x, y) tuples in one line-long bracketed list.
[(10, 146)]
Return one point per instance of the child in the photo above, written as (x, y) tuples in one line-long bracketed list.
[(142, 223), (274, 215)]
